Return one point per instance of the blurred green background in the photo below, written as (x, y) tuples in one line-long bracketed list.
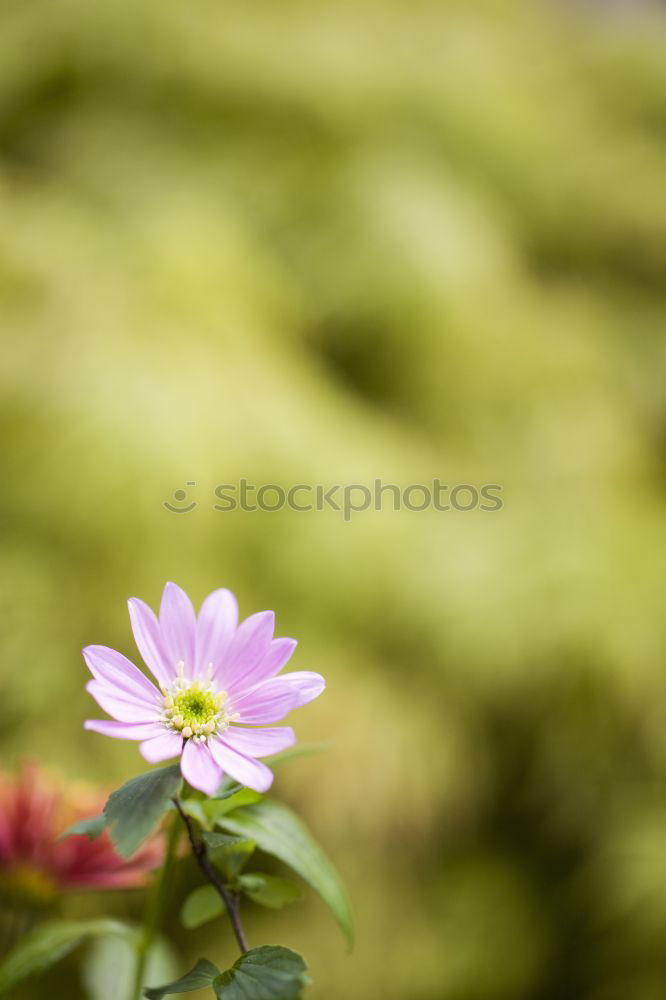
[(329, 242)]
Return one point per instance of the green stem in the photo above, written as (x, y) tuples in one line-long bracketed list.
[(230, 899), (154, 908)]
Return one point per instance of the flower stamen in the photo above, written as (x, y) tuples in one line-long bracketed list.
[(194, 708)]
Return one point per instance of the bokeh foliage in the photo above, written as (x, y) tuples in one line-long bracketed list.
[(327, 242)]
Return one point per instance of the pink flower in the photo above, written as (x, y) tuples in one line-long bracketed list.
[(216, 679), (35, 865)]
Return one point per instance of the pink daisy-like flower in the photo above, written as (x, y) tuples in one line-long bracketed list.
[(36, 866), (217, 682)]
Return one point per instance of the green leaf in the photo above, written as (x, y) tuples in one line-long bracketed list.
[(278, 831), (268, 973), (206, 811), (229, 853), (194, 808), (93, 827), (133, 811), (234, 798), (108, 968), (203, 974), (268, 890), (48, 943), (202, 905), (228, 788)]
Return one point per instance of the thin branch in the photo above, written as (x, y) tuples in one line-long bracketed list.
[(230, 899)]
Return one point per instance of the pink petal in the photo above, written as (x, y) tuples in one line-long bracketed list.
[(124, 730), (199, 768), (124, 709), (114, 669), (216, 625), (306, 683), (163, 747), (244, 769), (268, 702), (178, 626), (278, 653), (259, 742), (248, 647), (149, 641)]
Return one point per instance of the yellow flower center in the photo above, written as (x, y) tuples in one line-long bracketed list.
[(195, 708), (28, 883)]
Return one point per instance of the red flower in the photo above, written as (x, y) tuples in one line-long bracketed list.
[(35, 808)]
